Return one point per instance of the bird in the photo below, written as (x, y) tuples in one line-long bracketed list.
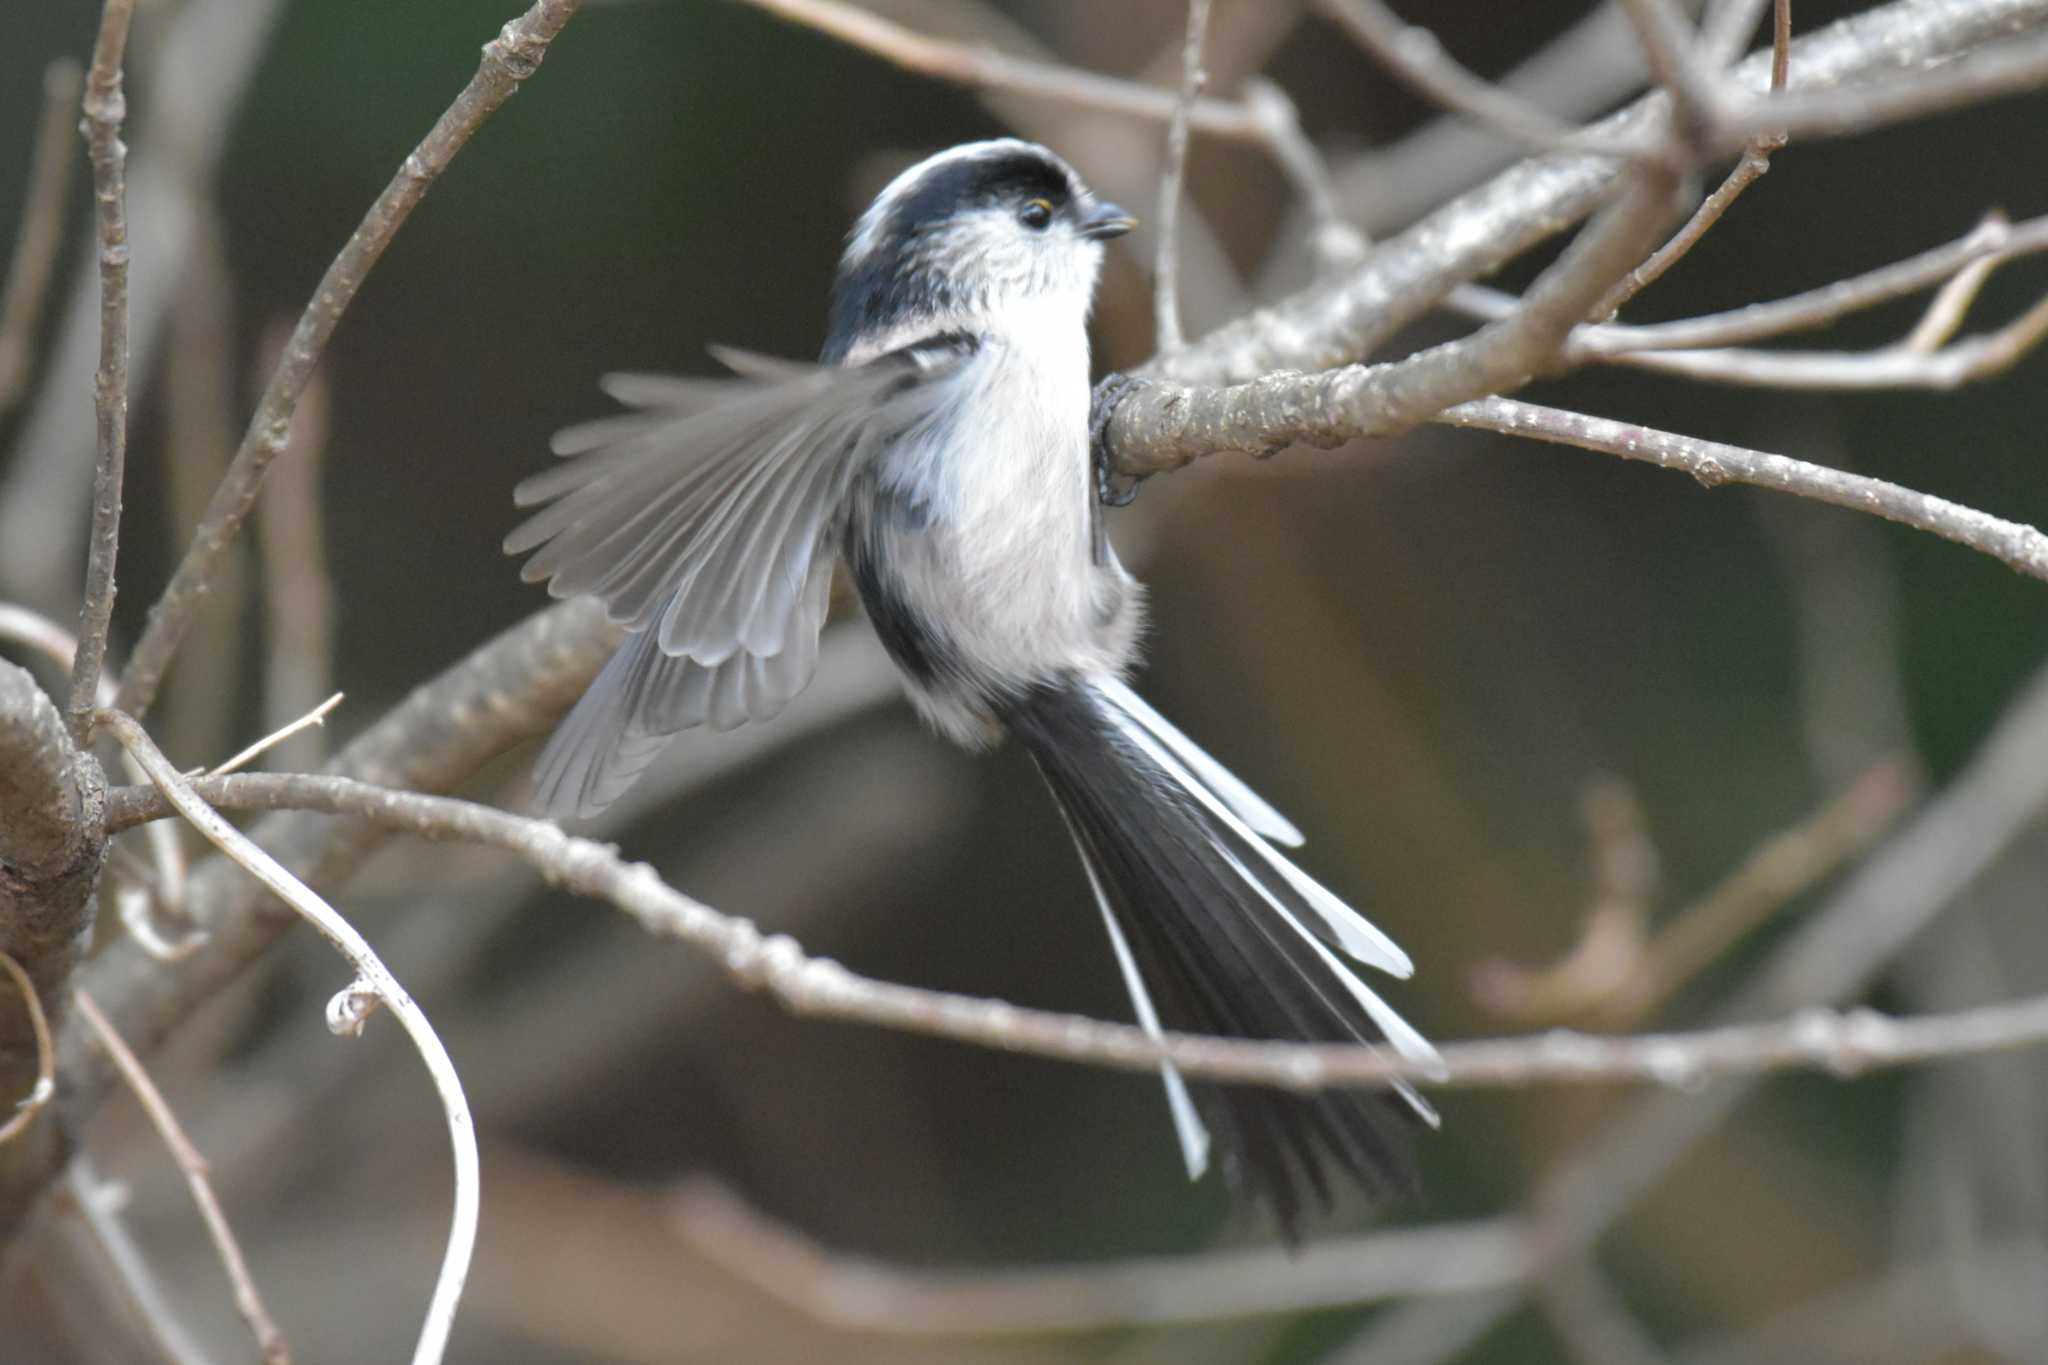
[(940, 449)]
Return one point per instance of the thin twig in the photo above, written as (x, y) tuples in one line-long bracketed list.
[(1842, 1044), (105, 107), (1167, 335), (1901, 366), (1404, 277), (315, 717), (1156, 425), (856, 1294), (269, 1340), (1638, 978), (1994, 239), (100, 1203), (2019, 547), (508, 60), (980, 68), (34, 262), (1413, 54), (31, 1104), (346, 1013), (1755, 162), (298, 593)]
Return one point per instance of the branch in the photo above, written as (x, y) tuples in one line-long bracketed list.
[(52, 840), (105, 107), (346, 1014), (1842, 1044), (42, 227), (512, 688), (1154, 426), (980, 68), (1413, 55), (1475, 234), (1755, 162), (861, 1295), (269, 1340), (1166, 276), (1713, 463), (508, 60)]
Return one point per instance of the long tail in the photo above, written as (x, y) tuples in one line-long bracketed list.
[(1229, 938)]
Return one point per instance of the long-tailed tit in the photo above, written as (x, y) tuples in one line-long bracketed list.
[(941, 451)]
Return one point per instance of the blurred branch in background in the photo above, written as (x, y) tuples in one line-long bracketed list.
[(34, 261)]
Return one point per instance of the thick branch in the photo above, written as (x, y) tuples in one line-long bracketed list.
[(52, 838), (508, 60)]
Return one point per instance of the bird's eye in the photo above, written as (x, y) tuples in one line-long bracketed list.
[(1036, 215)]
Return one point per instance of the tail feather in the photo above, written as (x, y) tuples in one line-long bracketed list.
[(1217, 933)]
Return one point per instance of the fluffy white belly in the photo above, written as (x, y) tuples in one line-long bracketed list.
[(1000, 567)]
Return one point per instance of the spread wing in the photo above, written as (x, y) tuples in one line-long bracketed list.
[(705, 518)]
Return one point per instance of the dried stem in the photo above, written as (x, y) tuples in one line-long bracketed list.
[(346, 1013), (1167, 335), (31, 1104), (1843, 1044), (508, 60), (105, 107), (42, 230), (269, 1340)]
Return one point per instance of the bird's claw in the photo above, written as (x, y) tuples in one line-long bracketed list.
[(1112, 489)]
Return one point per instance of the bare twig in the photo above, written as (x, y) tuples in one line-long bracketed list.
[(870, 1296), (1992, 240), (269, 1340), (42, 230), (1156, 426), (818, 987), (1902, 366), (1756, 160), (508, 60), (979, 68), (298, 596), (1167, 335), (1713, 463), (105, 107), (312, 719), (1777, 871), (1412, 53), (31, 1104), (100, 1203), (346, 1013), (1405, 276)]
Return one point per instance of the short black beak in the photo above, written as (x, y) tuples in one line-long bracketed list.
[(1106, 220)]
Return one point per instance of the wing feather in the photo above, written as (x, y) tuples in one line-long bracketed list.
[(705, 519)]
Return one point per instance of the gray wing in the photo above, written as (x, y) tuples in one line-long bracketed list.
[(705, 520)]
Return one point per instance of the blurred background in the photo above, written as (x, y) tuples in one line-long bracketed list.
[(1436, 654)]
